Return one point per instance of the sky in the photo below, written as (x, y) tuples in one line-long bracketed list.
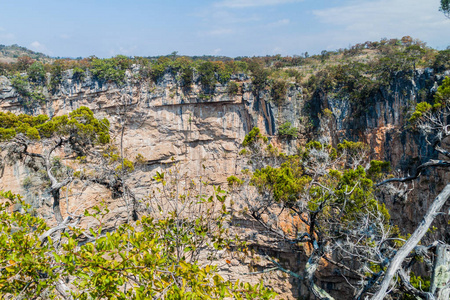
[(105, 28)]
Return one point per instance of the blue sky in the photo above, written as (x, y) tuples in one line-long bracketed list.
[(219, 27)]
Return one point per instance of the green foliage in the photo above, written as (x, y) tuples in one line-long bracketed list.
[(112, 69), (7, 134), (56, 75), (314, 145), (279, 90), (23, 258), (422, 284), (441, 100), (445, 7), (36, 72), (234, 181), (140, 160), (140, 256), (287, 131), (260, 75), (79, 73), (253, 136), (232, 88), (20, 83), (377, 169), (286, 182), (159, 67), (80, 125), (361, 199), (186, 70), (29, 88), (351, 146), (223, 71), (442, 61), (317, 200), (421, 108), (128, 166), (327, 113), (207, 74), (11, 124), (443, 93)]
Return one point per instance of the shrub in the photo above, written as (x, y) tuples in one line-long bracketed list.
[(259, 76), (207, 74), (232, 88), (421, 108), (279, 90), (287, 131), (112, 69), (36, 72), (327, 113), (233, 180), (20, 83)]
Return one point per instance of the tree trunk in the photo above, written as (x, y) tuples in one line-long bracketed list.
[(440, 281), (412, 242), (56, 207)]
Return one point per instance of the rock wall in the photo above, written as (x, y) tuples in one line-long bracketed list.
[(167, 123)]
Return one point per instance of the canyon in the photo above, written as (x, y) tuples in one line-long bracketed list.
[(201, 134)]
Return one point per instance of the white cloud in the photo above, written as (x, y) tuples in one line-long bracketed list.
[(6, 36), (36, 46), (372, 20), (214, 15), (252, 3), (279, 23), (218, 32), (64, 36)]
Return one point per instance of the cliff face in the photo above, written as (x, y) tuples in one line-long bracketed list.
[(381, 121), (167, 123)]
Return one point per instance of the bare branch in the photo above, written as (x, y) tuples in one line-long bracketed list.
[(430, 164), (415, 238)]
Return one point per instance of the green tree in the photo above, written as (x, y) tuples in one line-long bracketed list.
[(445, 7), (321, 202), (76, 133), (207, 75), (36, 72), (287, 131), (134, 261)]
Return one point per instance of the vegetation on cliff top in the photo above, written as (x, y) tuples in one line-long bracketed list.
[(358, 71)]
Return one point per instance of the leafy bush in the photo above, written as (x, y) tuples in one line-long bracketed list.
[(421, 108), (20, 83), (159, 67), (279, 89), (253, 136), (259, 76), (232, 88), (112, 69), (141, 252), (36, 72), (233, 180), (207, 74), (287, 131), (81, 122)]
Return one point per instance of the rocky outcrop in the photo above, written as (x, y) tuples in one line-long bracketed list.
[(168, 123)]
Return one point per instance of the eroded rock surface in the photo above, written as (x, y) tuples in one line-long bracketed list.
[(166, 124)]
